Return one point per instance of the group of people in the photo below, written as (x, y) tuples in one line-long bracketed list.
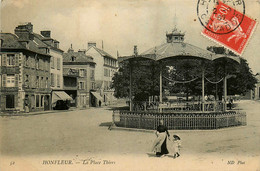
[(160, 146)]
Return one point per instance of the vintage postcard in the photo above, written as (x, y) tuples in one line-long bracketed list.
[(129, 85)]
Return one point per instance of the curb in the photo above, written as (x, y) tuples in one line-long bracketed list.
[(40, 113)]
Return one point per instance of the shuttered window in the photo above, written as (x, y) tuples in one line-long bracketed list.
[(4, 80), (58, 80), (58, 63), (4, 58), (17, 59), (16, 80)]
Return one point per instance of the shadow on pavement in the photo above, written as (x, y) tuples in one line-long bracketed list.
[(106, 124)]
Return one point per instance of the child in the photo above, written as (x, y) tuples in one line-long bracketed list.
[(176, 146)]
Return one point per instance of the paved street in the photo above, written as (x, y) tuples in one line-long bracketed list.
[(84, 134)]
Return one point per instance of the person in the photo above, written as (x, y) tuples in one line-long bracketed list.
[(176, 146), (159, 145)]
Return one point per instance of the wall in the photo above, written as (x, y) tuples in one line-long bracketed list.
[(55, 56)]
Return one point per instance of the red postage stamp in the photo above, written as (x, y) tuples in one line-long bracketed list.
[(229, 27)]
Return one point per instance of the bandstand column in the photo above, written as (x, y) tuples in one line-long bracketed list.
[(160, 86), (203, 86), (130, 88), (225, 89)]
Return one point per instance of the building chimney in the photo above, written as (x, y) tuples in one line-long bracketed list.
[(24, 31), (70, 49), (83, 51), (90, 44), (46, 33), (135, 50)]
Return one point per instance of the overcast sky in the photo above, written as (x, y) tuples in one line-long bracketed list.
[(121, 24)]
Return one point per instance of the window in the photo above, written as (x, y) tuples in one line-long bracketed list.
[(105, 72), (37, 82), (37, 101), (92, 76), (47, 82), (81, 85), (37, 63), (42, 83), (58, 80), (58, 63), (52, 62), (52, 80), (10, 81), (82, 73), (73, 58), (10, 60), (27, 80), (93, 85), (26, 62), (10, 101)]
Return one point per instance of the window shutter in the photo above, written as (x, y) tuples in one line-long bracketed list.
[(4, 58), (16, 80), (4, 80), (17, 59)]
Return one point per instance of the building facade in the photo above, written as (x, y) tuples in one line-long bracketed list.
[(85, 65), (106, 66), (70, 80), (25, 72)]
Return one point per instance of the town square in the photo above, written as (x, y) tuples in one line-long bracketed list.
[(129, 85)]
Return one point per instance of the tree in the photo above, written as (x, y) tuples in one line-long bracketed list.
[(145, 77)]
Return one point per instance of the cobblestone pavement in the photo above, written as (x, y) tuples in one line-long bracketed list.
[(83, 136)]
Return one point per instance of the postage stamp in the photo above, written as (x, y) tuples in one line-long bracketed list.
[(228, 26)]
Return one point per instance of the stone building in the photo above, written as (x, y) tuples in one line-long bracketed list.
[(25, 72), (56, 64), (106, 66), (70, 80), (85, 65)]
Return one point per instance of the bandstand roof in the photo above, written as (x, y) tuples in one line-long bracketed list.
[(176, 48)]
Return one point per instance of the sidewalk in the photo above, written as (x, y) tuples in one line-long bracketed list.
[(39, 112)]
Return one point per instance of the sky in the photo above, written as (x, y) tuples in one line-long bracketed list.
[(120, 24)]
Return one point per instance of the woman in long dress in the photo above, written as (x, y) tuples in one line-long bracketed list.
[(159, 145)]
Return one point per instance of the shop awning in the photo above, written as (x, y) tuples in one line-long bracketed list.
[(60, 95), (97, 96)]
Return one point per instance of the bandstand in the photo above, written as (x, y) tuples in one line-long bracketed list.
[(181, 115)]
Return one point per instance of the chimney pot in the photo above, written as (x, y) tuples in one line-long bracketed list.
[(46, 33), (90, 44)]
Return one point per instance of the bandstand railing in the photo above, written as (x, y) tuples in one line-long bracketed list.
[(179, 120), (178, 106)]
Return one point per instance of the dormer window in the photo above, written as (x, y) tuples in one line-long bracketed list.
[(73, 58), (56, 45)]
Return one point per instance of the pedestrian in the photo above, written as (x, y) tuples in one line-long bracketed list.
[(159, 145), (176, 146)]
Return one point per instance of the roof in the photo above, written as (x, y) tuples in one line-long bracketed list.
[(43, 43), (179, 50), (102, 52), (176, 49), (11, 41), (79, 57)]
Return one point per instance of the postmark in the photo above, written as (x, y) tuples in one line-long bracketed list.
[(208, 10), (229, 27)]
